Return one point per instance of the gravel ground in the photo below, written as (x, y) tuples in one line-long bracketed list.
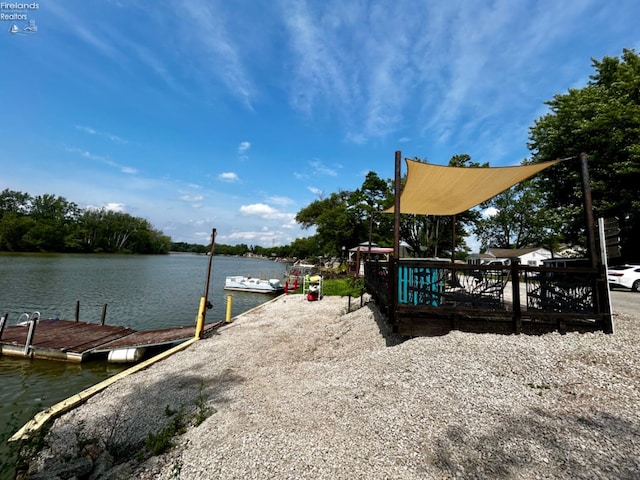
[(302, 390)]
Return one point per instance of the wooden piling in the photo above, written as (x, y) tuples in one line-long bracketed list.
[(104, 314)]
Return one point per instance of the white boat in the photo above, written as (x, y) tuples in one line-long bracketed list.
[(254, 285)]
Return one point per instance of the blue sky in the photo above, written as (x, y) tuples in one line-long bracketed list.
[(234, 115)]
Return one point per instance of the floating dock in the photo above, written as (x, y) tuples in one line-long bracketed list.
[(77, 341)]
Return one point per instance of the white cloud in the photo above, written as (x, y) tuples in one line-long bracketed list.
[(258, 209), (192, 198), (243, 147), (265, 212), (115, 207), (490, 212), (229, 177)]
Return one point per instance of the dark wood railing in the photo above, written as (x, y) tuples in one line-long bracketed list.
[(427, 297)]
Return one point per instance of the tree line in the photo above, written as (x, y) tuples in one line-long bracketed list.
[(49, 223)]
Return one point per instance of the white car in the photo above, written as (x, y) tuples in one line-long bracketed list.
[(627, 276)]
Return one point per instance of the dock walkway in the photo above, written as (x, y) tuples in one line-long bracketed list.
[(72, 341)]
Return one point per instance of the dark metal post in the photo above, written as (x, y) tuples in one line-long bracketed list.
[(77, 310), (206, 288), (600, 286), (588, 211), (396, 207), (453, 239), (394, 264), (515, 296)]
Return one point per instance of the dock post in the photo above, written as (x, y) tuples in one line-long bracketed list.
[(229, 305), (77, 310), (3, 322), (104, 314), (200, 319)]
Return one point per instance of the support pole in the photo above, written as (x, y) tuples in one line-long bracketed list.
[(396, 206), (588, 211), (229, 307), (393, 277), (601, 288), (77, 310), (202, 308), (204, 300), (453, 239)]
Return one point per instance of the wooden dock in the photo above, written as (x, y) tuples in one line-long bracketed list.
[(76, 341)]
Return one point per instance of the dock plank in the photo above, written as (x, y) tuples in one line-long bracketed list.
[(148, 338), (76, 337), (79, 340)]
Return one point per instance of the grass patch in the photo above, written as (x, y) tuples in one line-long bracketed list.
[(342, 287)]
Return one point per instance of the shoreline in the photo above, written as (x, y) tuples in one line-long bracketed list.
[(300, 389)]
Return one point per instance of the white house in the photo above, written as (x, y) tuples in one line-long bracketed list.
[(533, 256)]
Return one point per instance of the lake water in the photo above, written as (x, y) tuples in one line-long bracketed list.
[(141, 292)]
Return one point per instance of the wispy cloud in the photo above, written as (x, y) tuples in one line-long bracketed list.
[(244, 147), (107, 135), (316, 191), (283, 201), (204, 26), (86, 154), (321, 169), (102, 159)]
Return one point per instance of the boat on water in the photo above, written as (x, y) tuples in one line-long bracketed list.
[(241, 283)]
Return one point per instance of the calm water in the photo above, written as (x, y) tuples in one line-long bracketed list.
[(141, 292)]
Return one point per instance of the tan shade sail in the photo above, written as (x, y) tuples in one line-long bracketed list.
[(439, 190)]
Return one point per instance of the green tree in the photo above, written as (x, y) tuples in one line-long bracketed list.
[(337, 220), (13, 227), (53, 218), (367, 203), (305, 247), (16, 202), (603, 120), (14, 219), (520, 219)]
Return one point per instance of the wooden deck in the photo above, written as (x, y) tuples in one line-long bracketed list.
[(68, 340), (427, 297)]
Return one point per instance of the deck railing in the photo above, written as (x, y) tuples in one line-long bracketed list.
[(422, 296)]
